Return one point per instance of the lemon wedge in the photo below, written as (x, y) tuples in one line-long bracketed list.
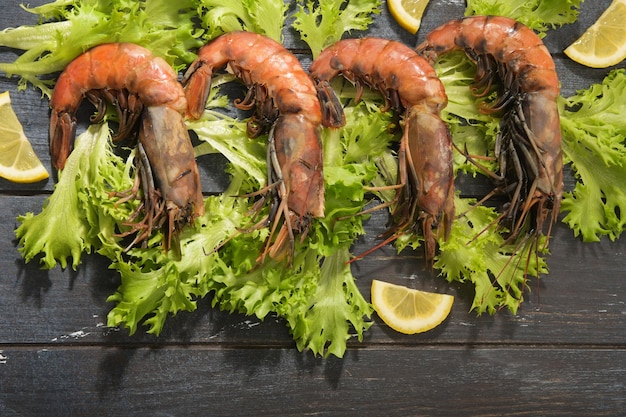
[(18, 161), (408, 13), (407, 310), (604, 43)]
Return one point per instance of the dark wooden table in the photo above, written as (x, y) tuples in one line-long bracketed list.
[(563, 353)]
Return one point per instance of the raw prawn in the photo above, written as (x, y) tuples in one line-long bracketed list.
[(286, 104), (528, 146), (145, 91), (410, 86)]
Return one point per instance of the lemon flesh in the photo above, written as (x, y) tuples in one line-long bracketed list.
[(408, 13), (407, 310), (604, 43), (18, 161)]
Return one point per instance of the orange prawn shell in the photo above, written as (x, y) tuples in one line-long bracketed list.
[(516, 54), (411, 86), (347, 57), (257, 60), (117, 66), (512, 42)]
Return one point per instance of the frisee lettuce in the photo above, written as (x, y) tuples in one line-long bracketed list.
[(540, 15), (594, 128), (497, 270), (61, 230), (322, 23), (266, 17)]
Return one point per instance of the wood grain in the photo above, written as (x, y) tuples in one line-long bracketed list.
[(563, 354), (399, 381)]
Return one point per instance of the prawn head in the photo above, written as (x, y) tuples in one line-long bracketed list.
[(426, 149), (172, 194), (295, 162)]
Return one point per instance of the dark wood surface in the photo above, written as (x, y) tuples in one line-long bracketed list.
[(562, 354)]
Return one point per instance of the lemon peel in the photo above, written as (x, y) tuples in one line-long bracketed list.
[(408, 13), (407, 310), (603, 44), (18, 161)]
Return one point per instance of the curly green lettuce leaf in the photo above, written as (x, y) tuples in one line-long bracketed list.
[(166, 28), (156, 294), (225, 135), (352, 156), (264, 289), (61, 229), (593, 126), (156, 284), (498, 270), (322, 23), (322, 324), (540, 15), (266, 17)]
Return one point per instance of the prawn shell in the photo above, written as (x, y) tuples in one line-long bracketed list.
[(507, 40), (434, 174), (258, 61), (399, 69), (118, 66), (127, 75)]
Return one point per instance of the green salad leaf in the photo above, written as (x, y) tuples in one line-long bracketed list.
[(155, 284), (322, 323), (540, 15), (498, 270), (61, 230), (322, 23), (260, 16), (594, 129)]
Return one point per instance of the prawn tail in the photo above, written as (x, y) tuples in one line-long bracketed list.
[(429, 153), (197, 86), (62, 133), (332, 111)]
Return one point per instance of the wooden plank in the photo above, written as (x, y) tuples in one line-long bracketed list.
[(199, 381)]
